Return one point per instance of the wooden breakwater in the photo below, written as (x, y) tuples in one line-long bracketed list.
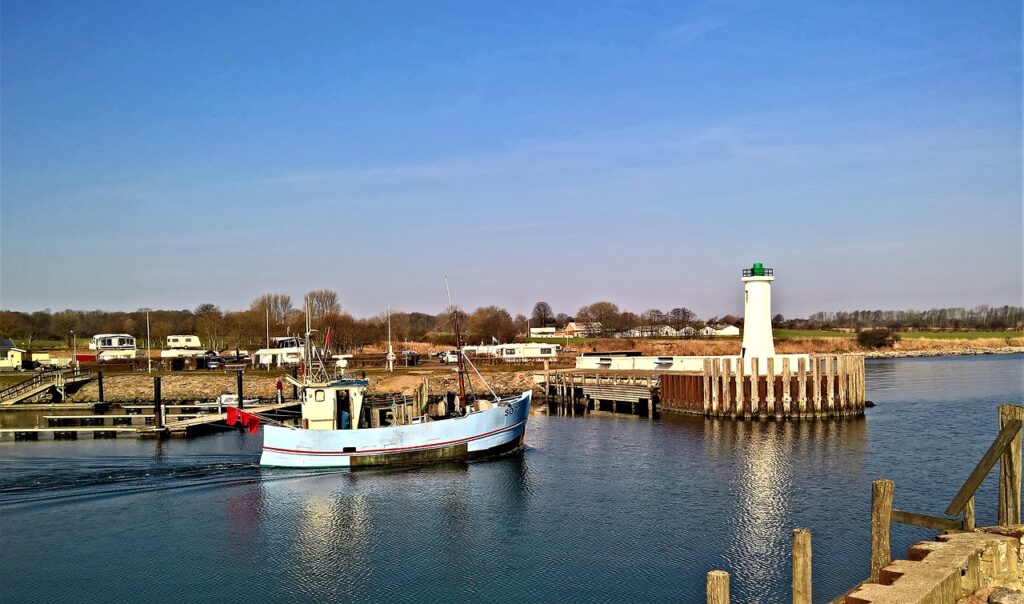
[(817, 386)]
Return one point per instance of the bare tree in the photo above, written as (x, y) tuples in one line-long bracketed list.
[(322, 302), (542, 314), (279, 305)]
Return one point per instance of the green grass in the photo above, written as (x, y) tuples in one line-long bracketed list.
[(960, 335), (564, 340)]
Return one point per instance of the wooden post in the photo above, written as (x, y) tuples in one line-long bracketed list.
[(295, 389), (707, 393), (158, 406), (969, 515), (786, 378), (99, 384), (816, 379), (754, 390), (830, 393), (801, 383), (714, 386), (1010, 469), (739, 387), (726, 377), (547, 377), (718, 587), (769, 396), (842, 374), (881, 519), (801, 566), (238, 383)]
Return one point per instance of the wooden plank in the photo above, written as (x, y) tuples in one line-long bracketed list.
[(881, 520), (801, 566), (1010, 469), (739, 387), (936, 523), (718, 587), (988, 460), (726, 379), (707, 393), (969, 515), (801, 380), (830, 395), (714, 386), (786, 377)]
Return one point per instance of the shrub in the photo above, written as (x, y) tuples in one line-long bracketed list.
[(877, 338)]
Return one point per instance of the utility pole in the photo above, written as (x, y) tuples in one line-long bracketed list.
[(149, 348)]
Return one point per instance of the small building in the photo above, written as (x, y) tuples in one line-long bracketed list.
[(11, 357), (542, 332), (583, 330), (283, 352), (109, 346), (527, 351), (728, 331), (180, 342)]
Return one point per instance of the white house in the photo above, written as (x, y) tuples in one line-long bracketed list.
[(10, 356), (728, 330), (542, 332), (582, 330)]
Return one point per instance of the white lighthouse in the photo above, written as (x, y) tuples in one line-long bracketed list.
[(757, 313)]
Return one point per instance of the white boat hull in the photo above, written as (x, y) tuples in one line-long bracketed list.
[(491, 431)]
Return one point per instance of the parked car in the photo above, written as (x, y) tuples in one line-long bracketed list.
[(214, 362)]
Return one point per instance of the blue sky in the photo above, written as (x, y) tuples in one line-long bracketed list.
[(165, 154)]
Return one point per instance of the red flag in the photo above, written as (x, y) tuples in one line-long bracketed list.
[(232, 416), (254, 424)]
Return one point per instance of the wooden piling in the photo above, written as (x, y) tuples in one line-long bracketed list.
[(739, 388), (238, 384), (801, 381), (714, 386), (726, 377), (969, 514), (769, 397), (816, 383), (801, 566), (842, 374), (99, 384), (754, 389), (295, 389), (718, 587), (707, 393), (158, 407), (786, 377), (830, 393), (881, 519), (1010, 469)]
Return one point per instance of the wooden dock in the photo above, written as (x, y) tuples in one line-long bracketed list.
[(178, 425)]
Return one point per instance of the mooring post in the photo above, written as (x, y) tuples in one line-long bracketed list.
[(801, 566), (238, 383), (1010, 469), (99, 384), (969, 514), (881, 519), (295, 389), (718, 587), (158, 407)]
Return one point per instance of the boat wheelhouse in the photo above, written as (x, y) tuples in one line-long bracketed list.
[(283, 352)]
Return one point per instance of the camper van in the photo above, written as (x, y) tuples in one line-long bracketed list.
[(110, 346), (182, 347)]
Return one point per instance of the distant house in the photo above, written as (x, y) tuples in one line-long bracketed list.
[(11, 357), (728, 330), (542, 332), (582, 330), (686, 332), (707, 331), (649, 331)]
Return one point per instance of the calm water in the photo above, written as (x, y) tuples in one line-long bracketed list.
[(596, 509)]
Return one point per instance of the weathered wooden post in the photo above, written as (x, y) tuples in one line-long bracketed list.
[(547, 378), (739, 387), (726, 378), (158, 407), (714, 386), (295, 389), (238, 382), (706, 382), (801, 566), (1010, 469), (881, 519), (769, 396), (801, 382), (718, 587), (99, 384), (969, 520), (755, 376), (816, 379), (830, 393), (787, 399)]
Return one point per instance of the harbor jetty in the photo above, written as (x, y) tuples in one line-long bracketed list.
[(757, 383)]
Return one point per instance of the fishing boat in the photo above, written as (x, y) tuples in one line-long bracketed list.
[(341, 427)]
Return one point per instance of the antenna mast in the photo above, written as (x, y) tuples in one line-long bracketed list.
[(458, 345)]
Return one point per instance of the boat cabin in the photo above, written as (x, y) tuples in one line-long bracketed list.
[(333, 405)]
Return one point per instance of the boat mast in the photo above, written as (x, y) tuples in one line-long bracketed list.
[(458, 346)]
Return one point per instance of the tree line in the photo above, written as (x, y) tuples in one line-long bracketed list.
[(276, 315)]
